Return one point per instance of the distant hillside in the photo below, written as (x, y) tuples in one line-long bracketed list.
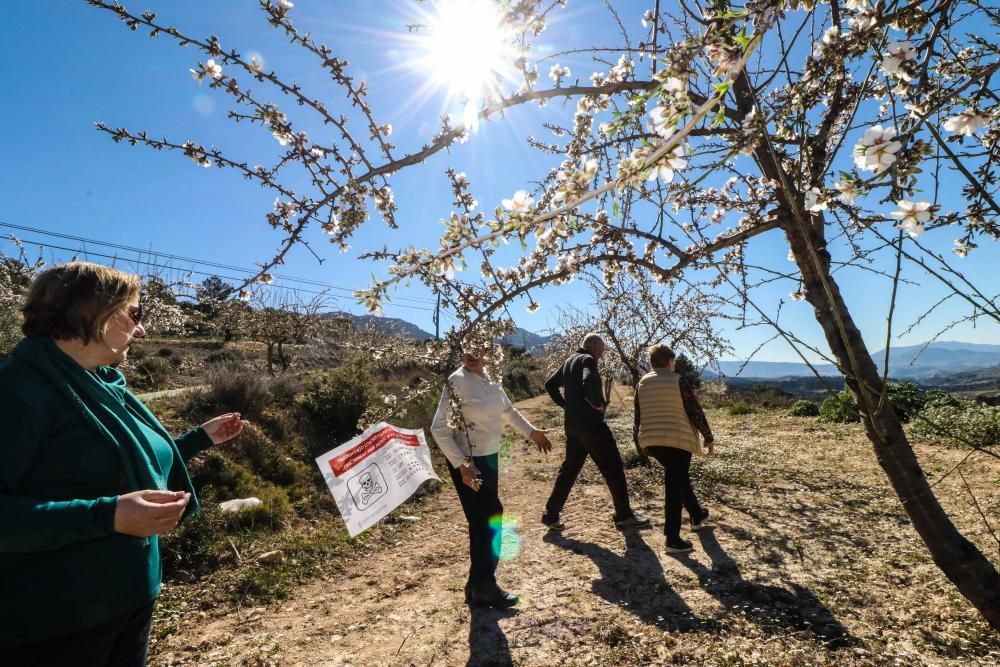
[(939, 359), (390, 325), (532, 342)]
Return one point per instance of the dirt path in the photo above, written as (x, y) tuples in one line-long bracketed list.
[(812, 562)]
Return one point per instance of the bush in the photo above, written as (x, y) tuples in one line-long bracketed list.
[(907, 399), (269, 461), (804, 409), (231, 389), (688, 371), (742, 409), (965, 422), (839, 408), (198, 545), (335, 402), (150, 373), (229, 357), (223, 480)]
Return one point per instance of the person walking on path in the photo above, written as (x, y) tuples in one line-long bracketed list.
[(668, 418), (467, 427), (576, 387)]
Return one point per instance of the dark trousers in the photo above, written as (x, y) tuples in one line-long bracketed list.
[(677, 480), (120, 642), (599, 444), (484, 513)]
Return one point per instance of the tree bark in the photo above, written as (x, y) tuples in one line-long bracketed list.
[(961, 561)]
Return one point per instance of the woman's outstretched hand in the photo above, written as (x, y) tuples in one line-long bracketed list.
[(224, 427)]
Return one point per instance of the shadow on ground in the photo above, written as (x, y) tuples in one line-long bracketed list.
[(776, 608), (634, 581), (488, 646)]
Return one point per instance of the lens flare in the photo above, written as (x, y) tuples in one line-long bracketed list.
[(506, 540)]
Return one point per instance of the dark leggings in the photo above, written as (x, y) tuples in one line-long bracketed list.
[(484, 513), (120, 642), (678, 492)]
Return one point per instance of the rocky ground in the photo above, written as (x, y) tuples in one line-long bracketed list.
[(812, 561)]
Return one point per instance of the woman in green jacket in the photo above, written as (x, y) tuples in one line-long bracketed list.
[(88, 477)]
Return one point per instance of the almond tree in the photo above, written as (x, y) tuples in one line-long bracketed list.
[(832, 124)]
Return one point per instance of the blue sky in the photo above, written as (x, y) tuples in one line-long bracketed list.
[(67, 65)]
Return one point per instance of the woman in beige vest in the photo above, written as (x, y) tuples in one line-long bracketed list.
[(668, 418)]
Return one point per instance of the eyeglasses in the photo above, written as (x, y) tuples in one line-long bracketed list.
[(135, 314)]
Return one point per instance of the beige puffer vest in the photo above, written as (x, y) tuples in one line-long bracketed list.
[(663, 422)]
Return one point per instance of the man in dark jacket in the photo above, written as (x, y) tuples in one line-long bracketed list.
[(576, 387)]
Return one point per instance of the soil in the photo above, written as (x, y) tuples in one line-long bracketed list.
[(812, 561)]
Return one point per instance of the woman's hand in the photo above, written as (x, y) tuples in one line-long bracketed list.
[(710, 446), (541, 440), (224, 427), (150, 512), (470, 476)]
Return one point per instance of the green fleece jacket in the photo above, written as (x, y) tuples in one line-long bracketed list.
[(73, 441)]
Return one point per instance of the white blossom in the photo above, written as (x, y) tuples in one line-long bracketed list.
[(210, 69), (285, 5), (848, 191), (519, 204), (896, 55), (284, 138), (856, 5), (673, 161), (911, 216), (798, 295), (557, 73), (660, 122), (814, 200), (876, 151), (965, 123)]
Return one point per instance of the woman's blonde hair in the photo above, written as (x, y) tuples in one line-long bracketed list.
[(76, 300), (660, 355)]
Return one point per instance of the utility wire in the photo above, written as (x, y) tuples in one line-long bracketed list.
[(181, 258), (152, 264)]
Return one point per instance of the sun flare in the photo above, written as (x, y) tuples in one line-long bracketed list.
[(467, 47)]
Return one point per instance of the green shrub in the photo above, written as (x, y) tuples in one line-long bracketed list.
[(272, 511), (198, 545), (687, 370), (335, 402), (742, 409), (229, 357), (227, 479), (269, 461), (965, 422), (839, 408), (907, 399), (231, 389), (150, 373), (804, 409)]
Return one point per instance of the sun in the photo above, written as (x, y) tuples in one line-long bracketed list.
[(467, 48)]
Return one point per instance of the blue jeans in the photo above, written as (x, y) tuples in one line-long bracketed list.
[(120, 642)]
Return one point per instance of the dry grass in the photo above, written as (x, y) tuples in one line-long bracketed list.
[(813, 562)]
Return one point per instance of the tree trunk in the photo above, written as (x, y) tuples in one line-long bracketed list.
[(962, 562)]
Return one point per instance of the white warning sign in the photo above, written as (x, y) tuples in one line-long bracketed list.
[(372, 474)]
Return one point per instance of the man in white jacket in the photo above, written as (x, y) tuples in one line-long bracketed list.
[(468, 434)]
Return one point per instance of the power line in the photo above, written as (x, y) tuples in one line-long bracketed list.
[(181, 258), (148, 263)]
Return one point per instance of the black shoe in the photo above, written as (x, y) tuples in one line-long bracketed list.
[(701, 521), (633, 521), (553, 524), (501, 599), (497, 598), (679, 546)]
